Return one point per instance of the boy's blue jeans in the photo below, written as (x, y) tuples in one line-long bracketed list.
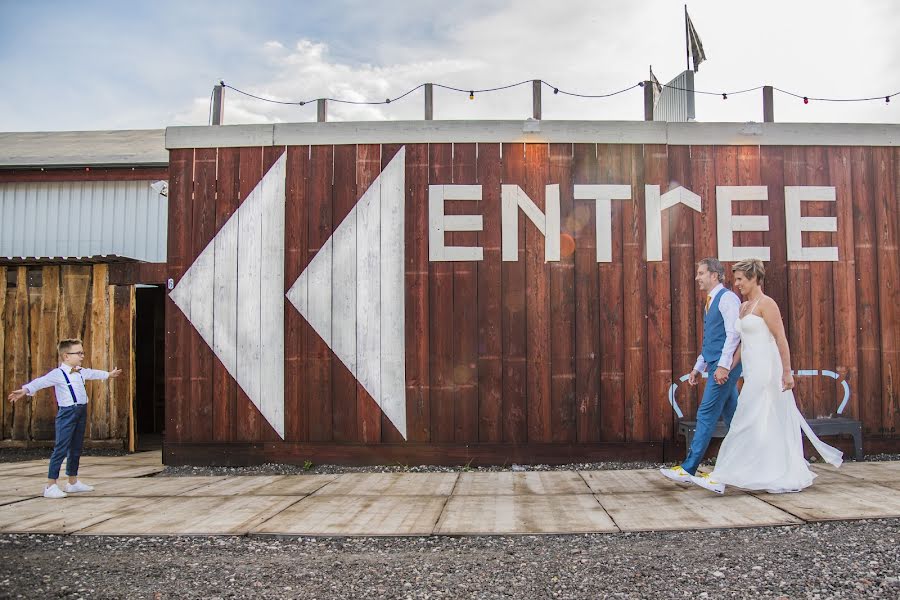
[(718, 401), (70, 424)]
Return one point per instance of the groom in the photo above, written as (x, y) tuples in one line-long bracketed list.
[(720, 340)]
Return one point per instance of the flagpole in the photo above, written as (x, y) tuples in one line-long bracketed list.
[(687, 43)]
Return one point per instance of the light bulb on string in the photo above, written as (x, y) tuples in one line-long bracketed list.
[(724, 96), (805, 100), (471, 95), (887, 99)]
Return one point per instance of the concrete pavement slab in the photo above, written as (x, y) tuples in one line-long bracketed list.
[(838, 501), (357, 515), (65, 515), (675, 510), (182, 515), (523, 514), (533, 482), (390, 484)]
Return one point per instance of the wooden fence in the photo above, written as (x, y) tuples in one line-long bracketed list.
[(39, 306), (530, 360)]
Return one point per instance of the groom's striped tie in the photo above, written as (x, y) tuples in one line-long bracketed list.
[(708, 301)]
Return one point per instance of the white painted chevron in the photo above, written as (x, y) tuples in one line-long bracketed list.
[(352, 292), (232, 295)]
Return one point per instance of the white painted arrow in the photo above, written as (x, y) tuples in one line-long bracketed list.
[(233, 295), (353, 294)]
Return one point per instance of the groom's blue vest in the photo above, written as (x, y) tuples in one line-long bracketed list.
[(713, 330)]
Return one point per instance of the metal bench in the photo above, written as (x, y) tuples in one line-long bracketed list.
[(821, 427)]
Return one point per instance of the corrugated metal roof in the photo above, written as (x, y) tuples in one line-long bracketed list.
[(125, 148), (81, 219)]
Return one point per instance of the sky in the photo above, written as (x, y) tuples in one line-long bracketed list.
[(146, 65)]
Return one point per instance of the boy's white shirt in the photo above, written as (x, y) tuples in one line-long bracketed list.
[(56, 380)]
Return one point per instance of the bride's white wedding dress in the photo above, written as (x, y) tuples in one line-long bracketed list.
[(763, 449)]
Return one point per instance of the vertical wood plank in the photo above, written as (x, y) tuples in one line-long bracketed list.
[(418, 320), (387, 432), (44, 342), (591, 305), (440, 299), (537, 302), (887, 222), (635, 300), (682, 260), (659, 324), (273, 235), (844, 278), (250, 174), (296, 397), (121, 356), (490, 294), (865, 239), (98, 407), (20, 356), (318, 356), (368, 415), (204, 229), (821, 289), (564, 415), (223, 384), (178, 240), (465, 305), (799, 327), (347, 401), (614, 169), (514, 412)]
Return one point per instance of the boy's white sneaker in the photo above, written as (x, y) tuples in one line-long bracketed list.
[(53, 491), (78, 487)]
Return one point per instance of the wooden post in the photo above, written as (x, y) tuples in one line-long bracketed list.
[(648, 100), (429, 102), (322, 112), (218, 97), (536, 99), (768, 105)]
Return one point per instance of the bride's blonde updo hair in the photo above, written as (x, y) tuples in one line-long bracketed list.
[(752, 268)]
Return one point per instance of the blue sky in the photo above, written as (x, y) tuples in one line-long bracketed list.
[(105, 65)]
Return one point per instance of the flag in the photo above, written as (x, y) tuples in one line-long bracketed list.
[(657, 87), (696, 44)]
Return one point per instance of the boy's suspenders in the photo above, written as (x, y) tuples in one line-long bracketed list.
[(71, 389)]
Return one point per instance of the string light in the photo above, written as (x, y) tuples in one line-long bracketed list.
[(556, 91)]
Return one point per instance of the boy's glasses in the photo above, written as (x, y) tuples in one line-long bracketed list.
[(78, 353)]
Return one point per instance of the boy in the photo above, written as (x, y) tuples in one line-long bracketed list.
[(71, 418)]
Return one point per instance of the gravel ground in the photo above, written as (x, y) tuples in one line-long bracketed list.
[(828, 560), (278, 469)]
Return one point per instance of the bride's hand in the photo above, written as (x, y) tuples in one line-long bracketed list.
[(787, 382)]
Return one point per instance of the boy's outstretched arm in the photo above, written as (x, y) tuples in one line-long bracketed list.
[(32, 387)]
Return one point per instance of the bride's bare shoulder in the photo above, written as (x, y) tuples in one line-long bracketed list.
[(768, 303)]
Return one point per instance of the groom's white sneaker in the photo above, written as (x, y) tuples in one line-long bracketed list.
[(677, 474), (705, 481)]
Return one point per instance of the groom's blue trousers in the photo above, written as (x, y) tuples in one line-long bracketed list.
[(718, 401)]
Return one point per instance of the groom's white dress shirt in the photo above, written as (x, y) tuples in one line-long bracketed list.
[(730, 307)]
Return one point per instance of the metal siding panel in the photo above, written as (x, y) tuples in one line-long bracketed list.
[(77, 219)]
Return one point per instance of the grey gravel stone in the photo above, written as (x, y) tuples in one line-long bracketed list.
[(827, 560)]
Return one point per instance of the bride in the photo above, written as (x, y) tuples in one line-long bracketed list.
[(763, 449)]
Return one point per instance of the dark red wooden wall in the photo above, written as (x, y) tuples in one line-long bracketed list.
[(535, 361)]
